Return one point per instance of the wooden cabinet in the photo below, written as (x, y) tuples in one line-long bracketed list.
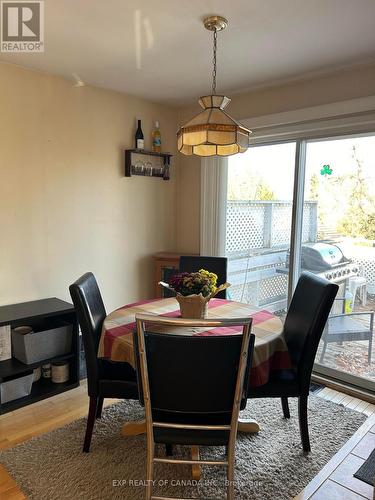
[(32, 314), (165, 265)]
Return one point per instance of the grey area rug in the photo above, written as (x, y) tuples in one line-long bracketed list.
[(270, 465)]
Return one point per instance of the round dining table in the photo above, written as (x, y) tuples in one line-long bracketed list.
[(270, 351)]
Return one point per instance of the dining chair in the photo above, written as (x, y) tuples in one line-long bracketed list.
[(305, 320), (217, 265), (105, 379), (192, 387)]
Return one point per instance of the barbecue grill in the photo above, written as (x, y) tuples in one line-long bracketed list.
[(328, 261)]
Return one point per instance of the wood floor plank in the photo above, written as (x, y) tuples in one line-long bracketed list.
[(362, 406), (330, 393), (353, 404), (338, 398), (8, 487), (346, 400), (23, 424), (370, 410), (323, 392)]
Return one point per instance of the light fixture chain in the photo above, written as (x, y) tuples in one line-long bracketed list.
[(214, 62)]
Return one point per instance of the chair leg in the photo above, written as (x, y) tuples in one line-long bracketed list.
[(100, 407), (90, 423), (149, 471), (303, 424), (285, 407), (230, 474)]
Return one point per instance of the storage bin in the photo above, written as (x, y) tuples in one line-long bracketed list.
[(60, 372), (55, 339), (16, 388)]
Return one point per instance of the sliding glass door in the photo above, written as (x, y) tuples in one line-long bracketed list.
[(340, 181), (258, 224), (309, 204)]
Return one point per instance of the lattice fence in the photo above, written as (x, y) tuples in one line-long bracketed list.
[(257, 240), (245, 226), (259, 225), (257, 237), (365, 258)]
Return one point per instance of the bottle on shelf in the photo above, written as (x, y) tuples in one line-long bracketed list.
[(156, 138), (139, 138)]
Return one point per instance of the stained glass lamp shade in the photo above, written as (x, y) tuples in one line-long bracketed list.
[(213, 132)]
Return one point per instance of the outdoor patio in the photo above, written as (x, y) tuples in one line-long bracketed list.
[(257, 248)]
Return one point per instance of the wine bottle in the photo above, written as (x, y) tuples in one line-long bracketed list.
[(139, 138), (156, 138)]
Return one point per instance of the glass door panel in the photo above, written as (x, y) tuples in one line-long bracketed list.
[(340, 185), (258, 225)]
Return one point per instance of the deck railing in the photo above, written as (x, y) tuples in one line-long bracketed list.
[(264, 225), (257, 243)]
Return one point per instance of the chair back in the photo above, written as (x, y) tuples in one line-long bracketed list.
[(217, 265), (90, 310), (305, 321), (195, 376)]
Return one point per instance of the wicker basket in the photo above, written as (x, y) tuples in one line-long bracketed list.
[(193, 306)]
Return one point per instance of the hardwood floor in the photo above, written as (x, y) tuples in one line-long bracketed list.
[(36, 419), (335, 481)]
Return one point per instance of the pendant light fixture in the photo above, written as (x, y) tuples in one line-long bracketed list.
[(213, 132)]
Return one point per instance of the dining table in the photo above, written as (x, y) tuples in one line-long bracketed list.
[(270, 350)]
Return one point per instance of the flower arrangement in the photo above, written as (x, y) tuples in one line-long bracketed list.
[(186, 284), (193, 291)]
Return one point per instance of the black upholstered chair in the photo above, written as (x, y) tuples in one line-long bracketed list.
[(304, 324), (105, 379), (217, 265), (193, 387)]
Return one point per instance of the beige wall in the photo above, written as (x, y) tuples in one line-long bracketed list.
[(350, 84), (188, 215), (65, 205)]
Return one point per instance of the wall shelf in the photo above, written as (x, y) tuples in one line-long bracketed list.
[(147, 163)]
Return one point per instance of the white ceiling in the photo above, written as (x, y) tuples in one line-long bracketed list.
[(267, 41)]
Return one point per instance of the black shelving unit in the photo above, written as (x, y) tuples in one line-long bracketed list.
[(30, 313), (162, 171)]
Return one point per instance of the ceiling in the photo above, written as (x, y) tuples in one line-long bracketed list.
[(159, 49)]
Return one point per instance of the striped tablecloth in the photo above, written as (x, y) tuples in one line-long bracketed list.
[(270, 351)]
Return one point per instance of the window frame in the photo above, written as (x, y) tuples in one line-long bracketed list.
[(356, 382)]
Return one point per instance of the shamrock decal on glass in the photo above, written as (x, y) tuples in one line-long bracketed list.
[(326, 170)]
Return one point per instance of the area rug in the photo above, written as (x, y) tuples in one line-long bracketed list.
[(270, 465), (366, 472)]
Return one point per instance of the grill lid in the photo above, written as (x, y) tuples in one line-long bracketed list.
[(321, 256)]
